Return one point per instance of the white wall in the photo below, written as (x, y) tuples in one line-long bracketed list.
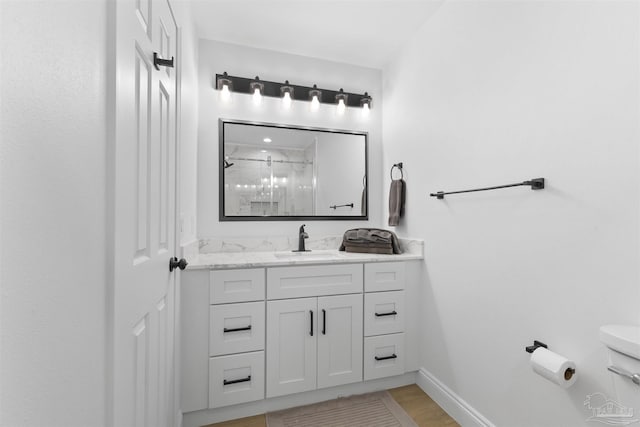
[(187, 153), (491, 93), (188, 134), (216, 57), (52, 213)]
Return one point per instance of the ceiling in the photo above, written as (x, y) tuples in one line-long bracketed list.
[(361, 32), (242, 134)]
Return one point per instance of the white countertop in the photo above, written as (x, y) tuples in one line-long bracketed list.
[(227, 260)]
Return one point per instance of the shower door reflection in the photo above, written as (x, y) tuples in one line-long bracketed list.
[(274, 182)]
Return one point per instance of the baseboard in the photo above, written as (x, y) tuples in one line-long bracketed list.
[(453, 404)]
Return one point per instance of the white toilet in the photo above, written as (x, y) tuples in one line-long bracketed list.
[(623, 342)]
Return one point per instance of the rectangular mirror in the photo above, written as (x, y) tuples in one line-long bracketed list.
[(274, 172)]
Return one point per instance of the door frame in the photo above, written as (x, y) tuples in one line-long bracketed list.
[(177, 384)]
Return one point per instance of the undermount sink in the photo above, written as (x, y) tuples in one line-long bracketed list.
[(308, 254)]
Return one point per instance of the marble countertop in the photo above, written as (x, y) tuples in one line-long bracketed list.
[(228, 260)]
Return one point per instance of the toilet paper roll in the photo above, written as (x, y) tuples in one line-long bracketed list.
[(555, 368)]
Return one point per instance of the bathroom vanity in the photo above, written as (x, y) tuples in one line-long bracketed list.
[(259, 326)]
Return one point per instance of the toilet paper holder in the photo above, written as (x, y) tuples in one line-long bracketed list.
[(536, 344), (567, 374)]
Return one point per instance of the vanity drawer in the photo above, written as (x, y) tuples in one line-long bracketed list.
[(384, 313), (236, 328), (309, 281), (384, 276), (383, 356), (236, 285), (237, 378)]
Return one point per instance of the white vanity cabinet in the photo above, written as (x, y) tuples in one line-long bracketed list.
[(253, 333)]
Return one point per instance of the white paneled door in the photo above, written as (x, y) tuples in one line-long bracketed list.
[(144, 200)]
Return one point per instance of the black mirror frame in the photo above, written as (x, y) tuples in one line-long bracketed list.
[(221, 201)]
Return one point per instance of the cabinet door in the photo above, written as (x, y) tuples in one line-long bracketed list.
[(339, 340), (291, 346)]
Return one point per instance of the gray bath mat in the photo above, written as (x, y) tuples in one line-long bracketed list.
[(367, 410)]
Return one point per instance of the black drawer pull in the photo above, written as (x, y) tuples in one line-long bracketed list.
[(246, 328), (241, 380), (311, 330), (393, 356), (391, 313)]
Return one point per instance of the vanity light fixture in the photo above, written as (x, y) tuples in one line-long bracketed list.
[(257, 89), (315, 95), (286, 92), (224, 85), (290, 92), (341, 100), (365, 103)]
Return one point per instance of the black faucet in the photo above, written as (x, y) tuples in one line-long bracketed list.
[(301, 236)]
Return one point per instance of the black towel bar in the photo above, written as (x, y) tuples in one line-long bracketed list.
[(341, 206), (535, 183)]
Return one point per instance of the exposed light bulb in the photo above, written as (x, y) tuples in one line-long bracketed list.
[(257, 96), (267, 140), (225, 93), (315, 103), (224, 84), (341, 107), (365, 109), (286, 101)]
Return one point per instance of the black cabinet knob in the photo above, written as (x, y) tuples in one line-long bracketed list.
[(175, 263)]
